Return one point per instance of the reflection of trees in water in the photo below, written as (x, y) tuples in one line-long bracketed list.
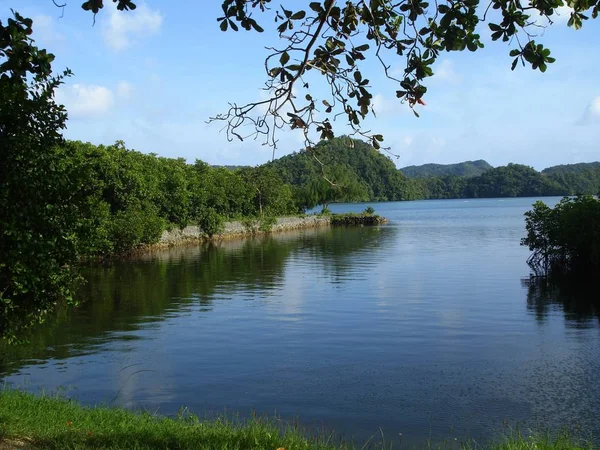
[(577, 298), (127, 295)]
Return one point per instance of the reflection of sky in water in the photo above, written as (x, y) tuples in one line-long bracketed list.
[(422, 327)]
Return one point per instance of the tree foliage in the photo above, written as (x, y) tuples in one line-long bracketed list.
[(66, 201), (39, 199), (566, 237), (331, 40)]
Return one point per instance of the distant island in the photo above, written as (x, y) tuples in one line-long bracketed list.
[(348, 170), (463, 169)]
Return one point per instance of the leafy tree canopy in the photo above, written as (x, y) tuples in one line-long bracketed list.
[(332, 39)]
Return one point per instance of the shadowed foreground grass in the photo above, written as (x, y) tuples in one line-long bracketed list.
[(50, 422)]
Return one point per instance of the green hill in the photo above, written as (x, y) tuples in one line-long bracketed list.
[(463, 169), (581, 178), (349, 170), (343, 169)]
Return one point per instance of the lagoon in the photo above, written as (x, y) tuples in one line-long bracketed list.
[(426, 327)]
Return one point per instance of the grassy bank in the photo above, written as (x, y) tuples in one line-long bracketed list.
[(49, 422)]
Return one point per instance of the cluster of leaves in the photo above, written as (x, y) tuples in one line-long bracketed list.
[(38, 202), (566, 237), (334, 39)]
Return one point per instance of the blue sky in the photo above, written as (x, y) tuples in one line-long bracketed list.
[(153, 76)]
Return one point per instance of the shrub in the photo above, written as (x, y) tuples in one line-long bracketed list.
[(566, 237), (369, 210), (136, 226), (211, 222), (266, 223)]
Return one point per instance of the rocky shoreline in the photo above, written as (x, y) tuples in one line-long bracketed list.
[(238, 229)]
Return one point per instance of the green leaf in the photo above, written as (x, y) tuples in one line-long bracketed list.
[(299, 15), (316, 6), (284, 58), (514, 64)]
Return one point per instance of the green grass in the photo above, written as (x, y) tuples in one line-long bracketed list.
[(51, 422)]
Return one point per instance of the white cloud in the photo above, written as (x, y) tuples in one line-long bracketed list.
[(124, 90), (445, 72), (44, 31), (561, 16), (125, 27), (592, 111), (383, 105), (83, 101), (595, 107)]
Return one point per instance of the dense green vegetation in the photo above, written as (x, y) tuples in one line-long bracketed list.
[(582, 178), (566, 237), (344, 169), (66, 201), (463, 169), (133, 197), (39, 197), (51, 422), (514, 180)]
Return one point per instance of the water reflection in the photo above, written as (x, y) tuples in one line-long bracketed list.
[(420, 327), (125, 296), (575, 298)]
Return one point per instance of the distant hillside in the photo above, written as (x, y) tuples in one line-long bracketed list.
[(581, 178), (350, 170), (572, 168), (464, 169), (356, 170), (232, 168)]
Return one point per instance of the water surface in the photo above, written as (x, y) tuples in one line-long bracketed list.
[(427, 326)]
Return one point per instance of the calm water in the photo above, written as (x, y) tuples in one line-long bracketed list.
[(426, 327)]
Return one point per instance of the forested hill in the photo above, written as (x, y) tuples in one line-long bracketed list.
[(346, 170), (463, 169), (343, 169), (572, 168), (576, 178)]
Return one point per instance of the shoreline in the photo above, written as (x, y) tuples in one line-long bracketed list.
[(234, 230), (51, 421)]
